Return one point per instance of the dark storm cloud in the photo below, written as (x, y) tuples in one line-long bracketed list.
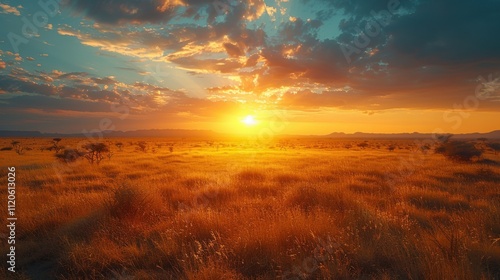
[(427, 56), (11, 85), (119, 11), (448, 32), (158, 11), (53, 104), (425, 31)]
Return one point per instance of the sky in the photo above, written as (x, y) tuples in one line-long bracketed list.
[(295, 66)]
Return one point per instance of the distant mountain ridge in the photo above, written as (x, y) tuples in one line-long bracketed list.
[(490, 135), (184, 133), (111, 133)]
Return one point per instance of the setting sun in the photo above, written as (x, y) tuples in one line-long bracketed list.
[(249, 120)]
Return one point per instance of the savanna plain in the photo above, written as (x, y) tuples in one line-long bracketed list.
[(162, 208)]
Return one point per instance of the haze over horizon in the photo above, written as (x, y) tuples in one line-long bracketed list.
[(236, 66)]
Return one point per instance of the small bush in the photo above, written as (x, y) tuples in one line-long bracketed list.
[(119, 145), (18, 147), (459, 151), (143, 146), (130, 202), (494, 146), (363, 145), (70, 155), (6, 149)]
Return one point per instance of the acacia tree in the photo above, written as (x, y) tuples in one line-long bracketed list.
[(95, 152), (55, 145)]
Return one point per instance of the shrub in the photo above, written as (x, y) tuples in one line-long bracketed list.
[(363, 145), (459, 150), (95, 152), (128, 201), (70, 155), (6, 149), (119, 145), (16, 145), (494, 146), (142, 146)]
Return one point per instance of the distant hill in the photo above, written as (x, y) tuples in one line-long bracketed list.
[(12, 133), (182, 133), (415, 135)]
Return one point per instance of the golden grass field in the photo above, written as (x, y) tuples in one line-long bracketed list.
[(294, 209)]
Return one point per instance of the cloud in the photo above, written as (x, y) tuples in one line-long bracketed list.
[(128, 11), (79, 91), (446, 32), (428, 55), (232, 50), (9, 9)]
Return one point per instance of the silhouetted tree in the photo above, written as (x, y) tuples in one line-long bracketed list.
[(95, 152), (55, 145)]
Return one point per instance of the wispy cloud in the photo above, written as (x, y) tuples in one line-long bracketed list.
[(6, 9)]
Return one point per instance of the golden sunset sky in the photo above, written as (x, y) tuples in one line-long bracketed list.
[(301, 66)]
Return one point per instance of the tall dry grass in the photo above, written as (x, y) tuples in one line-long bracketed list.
[(314, 210)]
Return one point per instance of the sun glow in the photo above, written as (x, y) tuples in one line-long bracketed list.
[(249, 120)]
